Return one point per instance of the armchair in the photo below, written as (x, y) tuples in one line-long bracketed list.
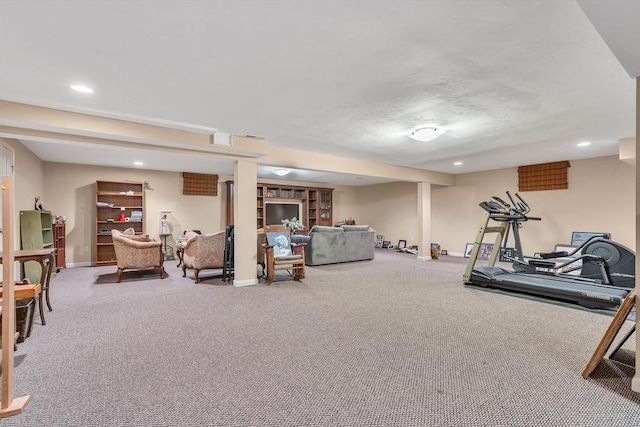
[(136, 252), (202, 252), (281, 254)]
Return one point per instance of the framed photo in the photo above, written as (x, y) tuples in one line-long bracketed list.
[(579, 237), (444, 252), (485, 250), (468, 249), (386, 244), (402, 244), (379, 240)]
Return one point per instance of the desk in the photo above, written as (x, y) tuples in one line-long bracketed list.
[(39, 256)]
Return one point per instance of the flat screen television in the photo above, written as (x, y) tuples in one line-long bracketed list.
[(275, 212)]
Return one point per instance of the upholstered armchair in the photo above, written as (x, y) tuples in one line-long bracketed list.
[(136, 252), (182, 239), (202, 252)]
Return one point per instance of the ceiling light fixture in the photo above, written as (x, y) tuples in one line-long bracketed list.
[(426, 134), (457, 164), (82, 88), (583, 144), (281, 171), (138, 163)]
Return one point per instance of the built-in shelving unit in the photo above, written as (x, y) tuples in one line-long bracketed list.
[(119, 205), (59, 237), (316, 202)]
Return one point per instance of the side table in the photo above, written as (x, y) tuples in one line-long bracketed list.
[(167, 250)]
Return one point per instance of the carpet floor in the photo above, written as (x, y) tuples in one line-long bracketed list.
[(388, 342)]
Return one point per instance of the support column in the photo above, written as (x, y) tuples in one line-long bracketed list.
[(244, 220), (8, 405), (424, 221), (635, 382)]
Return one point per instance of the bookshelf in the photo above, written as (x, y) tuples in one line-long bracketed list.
[(119, 205)]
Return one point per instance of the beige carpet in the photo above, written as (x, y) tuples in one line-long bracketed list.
[(389, 342)]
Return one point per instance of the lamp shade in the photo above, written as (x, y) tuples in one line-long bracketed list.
[(281, 171)]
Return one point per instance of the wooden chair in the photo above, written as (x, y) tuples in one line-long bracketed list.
[(262, 243), (281, 254)]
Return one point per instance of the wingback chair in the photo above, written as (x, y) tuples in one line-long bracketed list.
[(202, 252), (136, 252)]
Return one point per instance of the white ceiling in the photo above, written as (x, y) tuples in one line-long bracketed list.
[(513, 83)]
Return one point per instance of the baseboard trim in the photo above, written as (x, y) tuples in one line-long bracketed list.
[(78, 264), (241, 283)]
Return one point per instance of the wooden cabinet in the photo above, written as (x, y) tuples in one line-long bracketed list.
[(119, 205), (59, 242), (325, 209), (317, 206), (36, 232)]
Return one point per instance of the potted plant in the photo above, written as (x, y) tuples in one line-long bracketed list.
[(294, 224)]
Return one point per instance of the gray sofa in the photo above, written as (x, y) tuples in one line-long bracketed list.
[(331, 245)]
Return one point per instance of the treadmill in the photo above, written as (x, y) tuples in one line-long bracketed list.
[(606, 277)]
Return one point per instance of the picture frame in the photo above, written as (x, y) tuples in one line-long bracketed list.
[(579, 237), (468, 249), (485, 250), (402, 244), (379, 240)]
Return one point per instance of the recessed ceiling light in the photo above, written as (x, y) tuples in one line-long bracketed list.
[(281, 171), (82, 88), (583, 144), (138, 163), (426, 134), (457, 164)]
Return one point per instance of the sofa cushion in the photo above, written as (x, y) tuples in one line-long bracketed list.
[(325, 229), (355, 227)]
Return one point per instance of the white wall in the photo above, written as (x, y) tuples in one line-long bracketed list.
[(70, 191), (390, 209), (600, 198)]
